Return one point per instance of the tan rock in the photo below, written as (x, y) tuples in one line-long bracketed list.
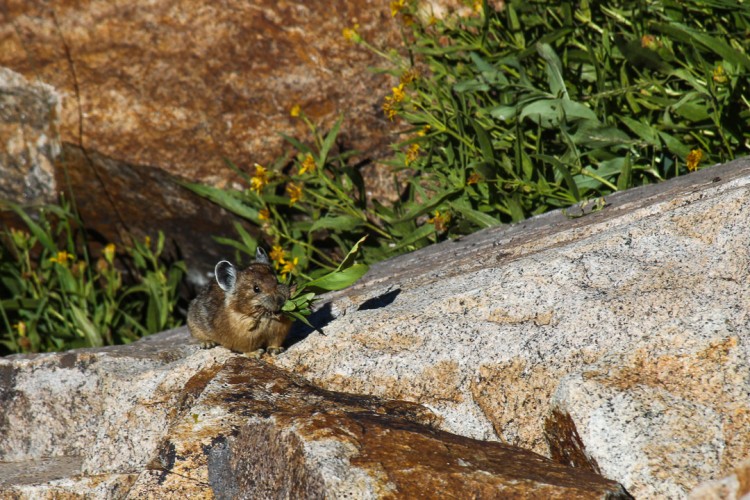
[(735, 486), (182, 85), (617, 341), (258, 433)]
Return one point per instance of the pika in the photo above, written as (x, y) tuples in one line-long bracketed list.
[(241, 310)]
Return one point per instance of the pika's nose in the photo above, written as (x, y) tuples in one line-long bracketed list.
[(282, 295)]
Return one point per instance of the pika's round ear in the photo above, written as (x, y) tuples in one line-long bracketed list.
[(226, 275), (261, 256)]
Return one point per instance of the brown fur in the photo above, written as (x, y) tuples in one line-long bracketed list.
[(245, 319)]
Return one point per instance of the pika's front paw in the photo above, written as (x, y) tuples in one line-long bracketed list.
[(208, 344), (274, 351), (255, 354)]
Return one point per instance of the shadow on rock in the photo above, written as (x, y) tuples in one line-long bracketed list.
[(319, 319), (380, 301)]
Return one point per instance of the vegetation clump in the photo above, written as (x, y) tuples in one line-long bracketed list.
[(505, 110), (57, 295)]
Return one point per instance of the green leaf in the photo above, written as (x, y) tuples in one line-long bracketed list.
[(90, 332), (625, 179), (18, 304), (714, 44), (427, 206), (564, 172), (576, 111), (303, 299), (674, 145), (472, 85), (337, 280), (421, 232), (248, 241), (482, 65), (328, 142), (645, 132), (553, 67), (299, 317), (516, 211), (224, 198), (545, 112), (339, 223), (597, 137), (475, 216), (233, 243), (41, 234), (485, 144), (504, 113), (299, 146), (349, 259)]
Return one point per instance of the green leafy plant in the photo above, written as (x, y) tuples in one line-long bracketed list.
[(312, 210), (299, 305), (56, 296), (539, 105)]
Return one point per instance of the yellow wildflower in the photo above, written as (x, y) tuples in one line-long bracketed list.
[(388, 109), (412, 153), (294, 191), (109, 252), (277, 255), (397, 6), (440, 221), (295, 111), (390, 101), (61, 258), (424, 131), (693, 159), (352, 34), (264, 214), (408, 76), (650, 42), (260, 179), (308, 164), (407, 19), (398, 93), (478, 5), (20, 328), (720, 75), (473, 178), (288, 266), (147, 241)]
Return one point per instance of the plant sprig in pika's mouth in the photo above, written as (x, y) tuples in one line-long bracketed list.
[(299, 304)]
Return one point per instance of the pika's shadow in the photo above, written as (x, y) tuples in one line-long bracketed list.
[(320, 318), (379, 301)]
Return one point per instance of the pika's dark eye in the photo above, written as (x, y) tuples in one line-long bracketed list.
[(256, 289)]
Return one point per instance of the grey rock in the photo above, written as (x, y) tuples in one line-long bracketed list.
[(616, 341), (29, 139), (162, 418)]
